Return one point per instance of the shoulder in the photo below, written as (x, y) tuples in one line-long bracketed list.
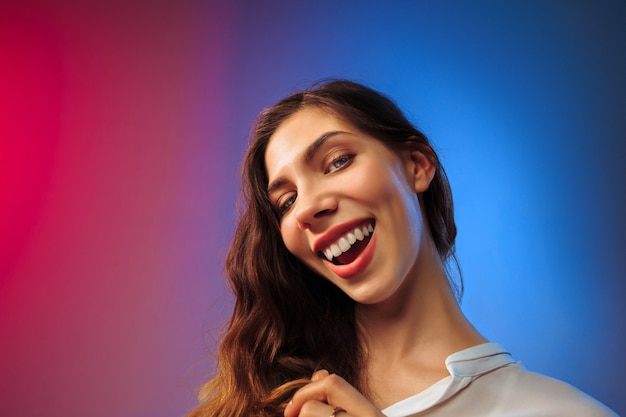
[(514, 387)]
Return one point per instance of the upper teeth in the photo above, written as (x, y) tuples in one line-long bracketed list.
[(344, 243)]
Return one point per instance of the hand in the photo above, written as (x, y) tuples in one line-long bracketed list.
[(324, 393)]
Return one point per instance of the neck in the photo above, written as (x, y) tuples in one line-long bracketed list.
[(408, 337)]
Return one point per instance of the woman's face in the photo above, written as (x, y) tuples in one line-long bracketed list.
[(349, 205)]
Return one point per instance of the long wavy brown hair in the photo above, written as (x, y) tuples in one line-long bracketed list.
[(288, 321)]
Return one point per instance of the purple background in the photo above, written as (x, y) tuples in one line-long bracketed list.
[(123, 124)]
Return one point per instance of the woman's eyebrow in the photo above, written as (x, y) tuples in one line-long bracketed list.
[(276, 184), (308, 156), (310, 151)]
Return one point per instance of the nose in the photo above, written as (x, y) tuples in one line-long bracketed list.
[(314, 207)]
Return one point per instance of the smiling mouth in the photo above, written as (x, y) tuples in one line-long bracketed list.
[(349, 246)]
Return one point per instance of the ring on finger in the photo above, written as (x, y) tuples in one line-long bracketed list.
[(336, 411)]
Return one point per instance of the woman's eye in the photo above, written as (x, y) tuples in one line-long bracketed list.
[(339, 163), (286, 204)]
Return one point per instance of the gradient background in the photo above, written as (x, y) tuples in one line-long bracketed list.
[(123, 124)]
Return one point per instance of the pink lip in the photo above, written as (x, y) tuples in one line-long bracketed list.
[(333, 234), (359, 264)]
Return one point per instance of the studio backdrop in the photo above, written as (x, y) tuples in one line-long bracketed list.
[(123, 125)]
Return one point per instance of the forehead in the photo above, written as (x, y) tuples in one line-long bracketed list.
[(292, 138)]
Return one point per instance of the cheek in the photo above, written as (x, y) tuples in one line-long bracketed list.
[(296, 243), (400, 199), (382, 185), (291, 235)]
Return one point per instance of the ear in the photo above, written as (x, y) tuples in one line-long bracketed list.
[(421, 170)]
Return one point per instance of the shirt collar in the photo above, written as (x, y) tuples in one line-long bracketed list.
[(478, 360), (464, 366)]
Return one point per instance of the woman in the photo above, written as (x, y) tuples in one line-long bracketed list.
[(344, 304)]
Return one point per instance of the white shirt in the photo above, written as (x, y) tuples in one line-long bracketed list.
[(485, 381)]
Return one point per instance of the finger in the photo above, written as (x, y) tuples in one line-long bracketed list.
[(334, 391), (319, 375), (337, 410), (320, 409)]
